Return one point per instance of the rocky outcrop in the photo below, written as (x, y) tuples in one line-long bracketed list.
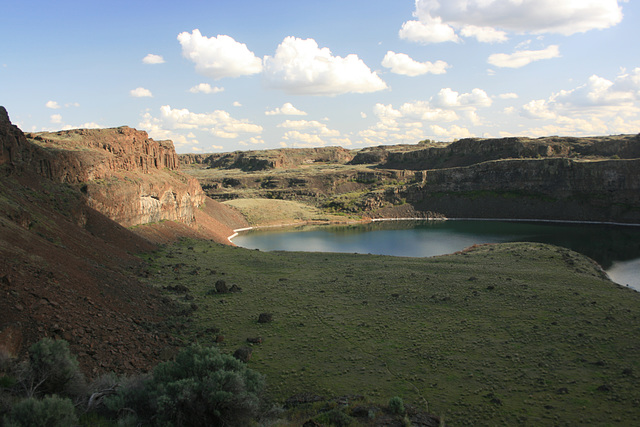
[(126, 175), (270, 159), (470, 151), (554, 189)]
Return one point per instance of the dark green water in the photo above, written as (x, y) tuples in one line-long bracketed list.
[(615, 248)]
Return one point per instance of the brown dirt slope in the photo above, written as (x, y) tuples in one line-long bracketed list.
[(67, 270)]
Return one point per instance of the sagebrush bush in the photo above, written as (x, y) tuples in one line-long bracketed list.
[(202, 387), (52, 369), (396, 405), (51, 411)]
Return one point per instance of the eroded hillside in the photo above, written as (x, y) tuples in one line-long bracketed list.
[(579, 179), (67, 267)]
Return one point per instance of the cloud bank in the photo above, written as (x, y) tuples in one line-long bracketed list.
[(490, 21)]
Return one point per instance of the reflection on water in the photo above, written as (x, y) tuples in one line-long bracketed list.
[(615, 248)]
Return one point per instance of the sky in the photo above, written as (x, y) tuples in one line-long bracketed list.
[(221, 76)]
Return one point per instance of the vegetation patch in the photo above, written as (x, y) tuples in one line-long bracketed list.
[(515, 333)]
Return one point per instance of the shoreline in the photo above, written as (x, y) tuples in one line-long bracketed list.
[(237, 231)]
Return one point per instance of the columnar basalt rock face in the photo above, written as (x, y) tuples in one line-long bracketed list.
[(126, 175), (553, 189)]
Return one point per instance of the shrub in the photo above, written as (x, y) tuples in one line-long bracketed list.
[(52, 411), (52, 369), (200, 388), (396, 405)]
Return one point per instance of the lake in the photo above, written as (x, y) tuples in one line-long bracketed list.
[(615, 248)]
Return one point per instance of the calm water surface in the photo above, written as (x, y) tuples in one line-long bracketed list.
[(615, 248)]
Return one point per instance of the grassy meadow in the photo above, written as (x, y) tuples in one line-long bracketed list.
[(506, 334)]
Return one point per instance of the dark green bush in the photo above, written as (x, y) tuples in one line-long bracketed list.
[(52, 411), (52, 369), (396, 405), (200, 388)]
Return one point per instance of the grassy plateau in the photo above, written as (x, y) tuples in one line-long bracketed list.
[(506, 334)]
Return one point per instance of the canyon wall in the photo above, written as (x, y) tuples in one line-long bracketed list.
[(126, 175), (470, 151), (553, 189), (270, 159)]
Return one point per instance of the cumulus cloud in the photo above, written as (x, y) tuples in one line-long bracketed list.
[(301, 67), (141, 92), (491, 20), (509, 95), (599, 106), (287, 110), (52, 104), (599, 92), (450, 98), (318, 127), (153, 59), (218, 57), (219, 122), (206, 88), (401, 63), (484, 34), (56, 118), (523, 57), (428, 30), (88, 125), (454, 132), (237, 104)]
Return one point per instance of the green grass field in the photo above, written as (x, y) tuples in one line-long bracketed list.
[(506, 334)]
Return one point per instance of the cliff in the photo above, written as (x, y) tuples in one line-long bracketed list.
[(67, 269), (125, 175), (270, 159), (470, 151)]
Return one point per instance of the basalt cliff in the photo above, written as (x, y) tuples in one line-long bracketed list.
[(552, 178)]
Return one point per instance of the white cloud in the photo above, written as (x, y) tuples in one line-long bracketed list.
[(454, 132), (509, 95), (153, 59), (484, 34), (56, 118), (206, 88), (537, 109), (431, 30), (88, 125), (490, 20), (237, 104), (219, 123), (141, 92), (421, 110), (52, 104), (287, 109), (301, 139), (600, 106), (363, 114), (300, 67), (599, 92), (523, 57), (218, 57), (320, 128), (450, 98), (401, 63)]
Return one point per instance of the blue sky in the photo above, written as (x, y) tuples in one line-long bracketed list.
[(217, 76)]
